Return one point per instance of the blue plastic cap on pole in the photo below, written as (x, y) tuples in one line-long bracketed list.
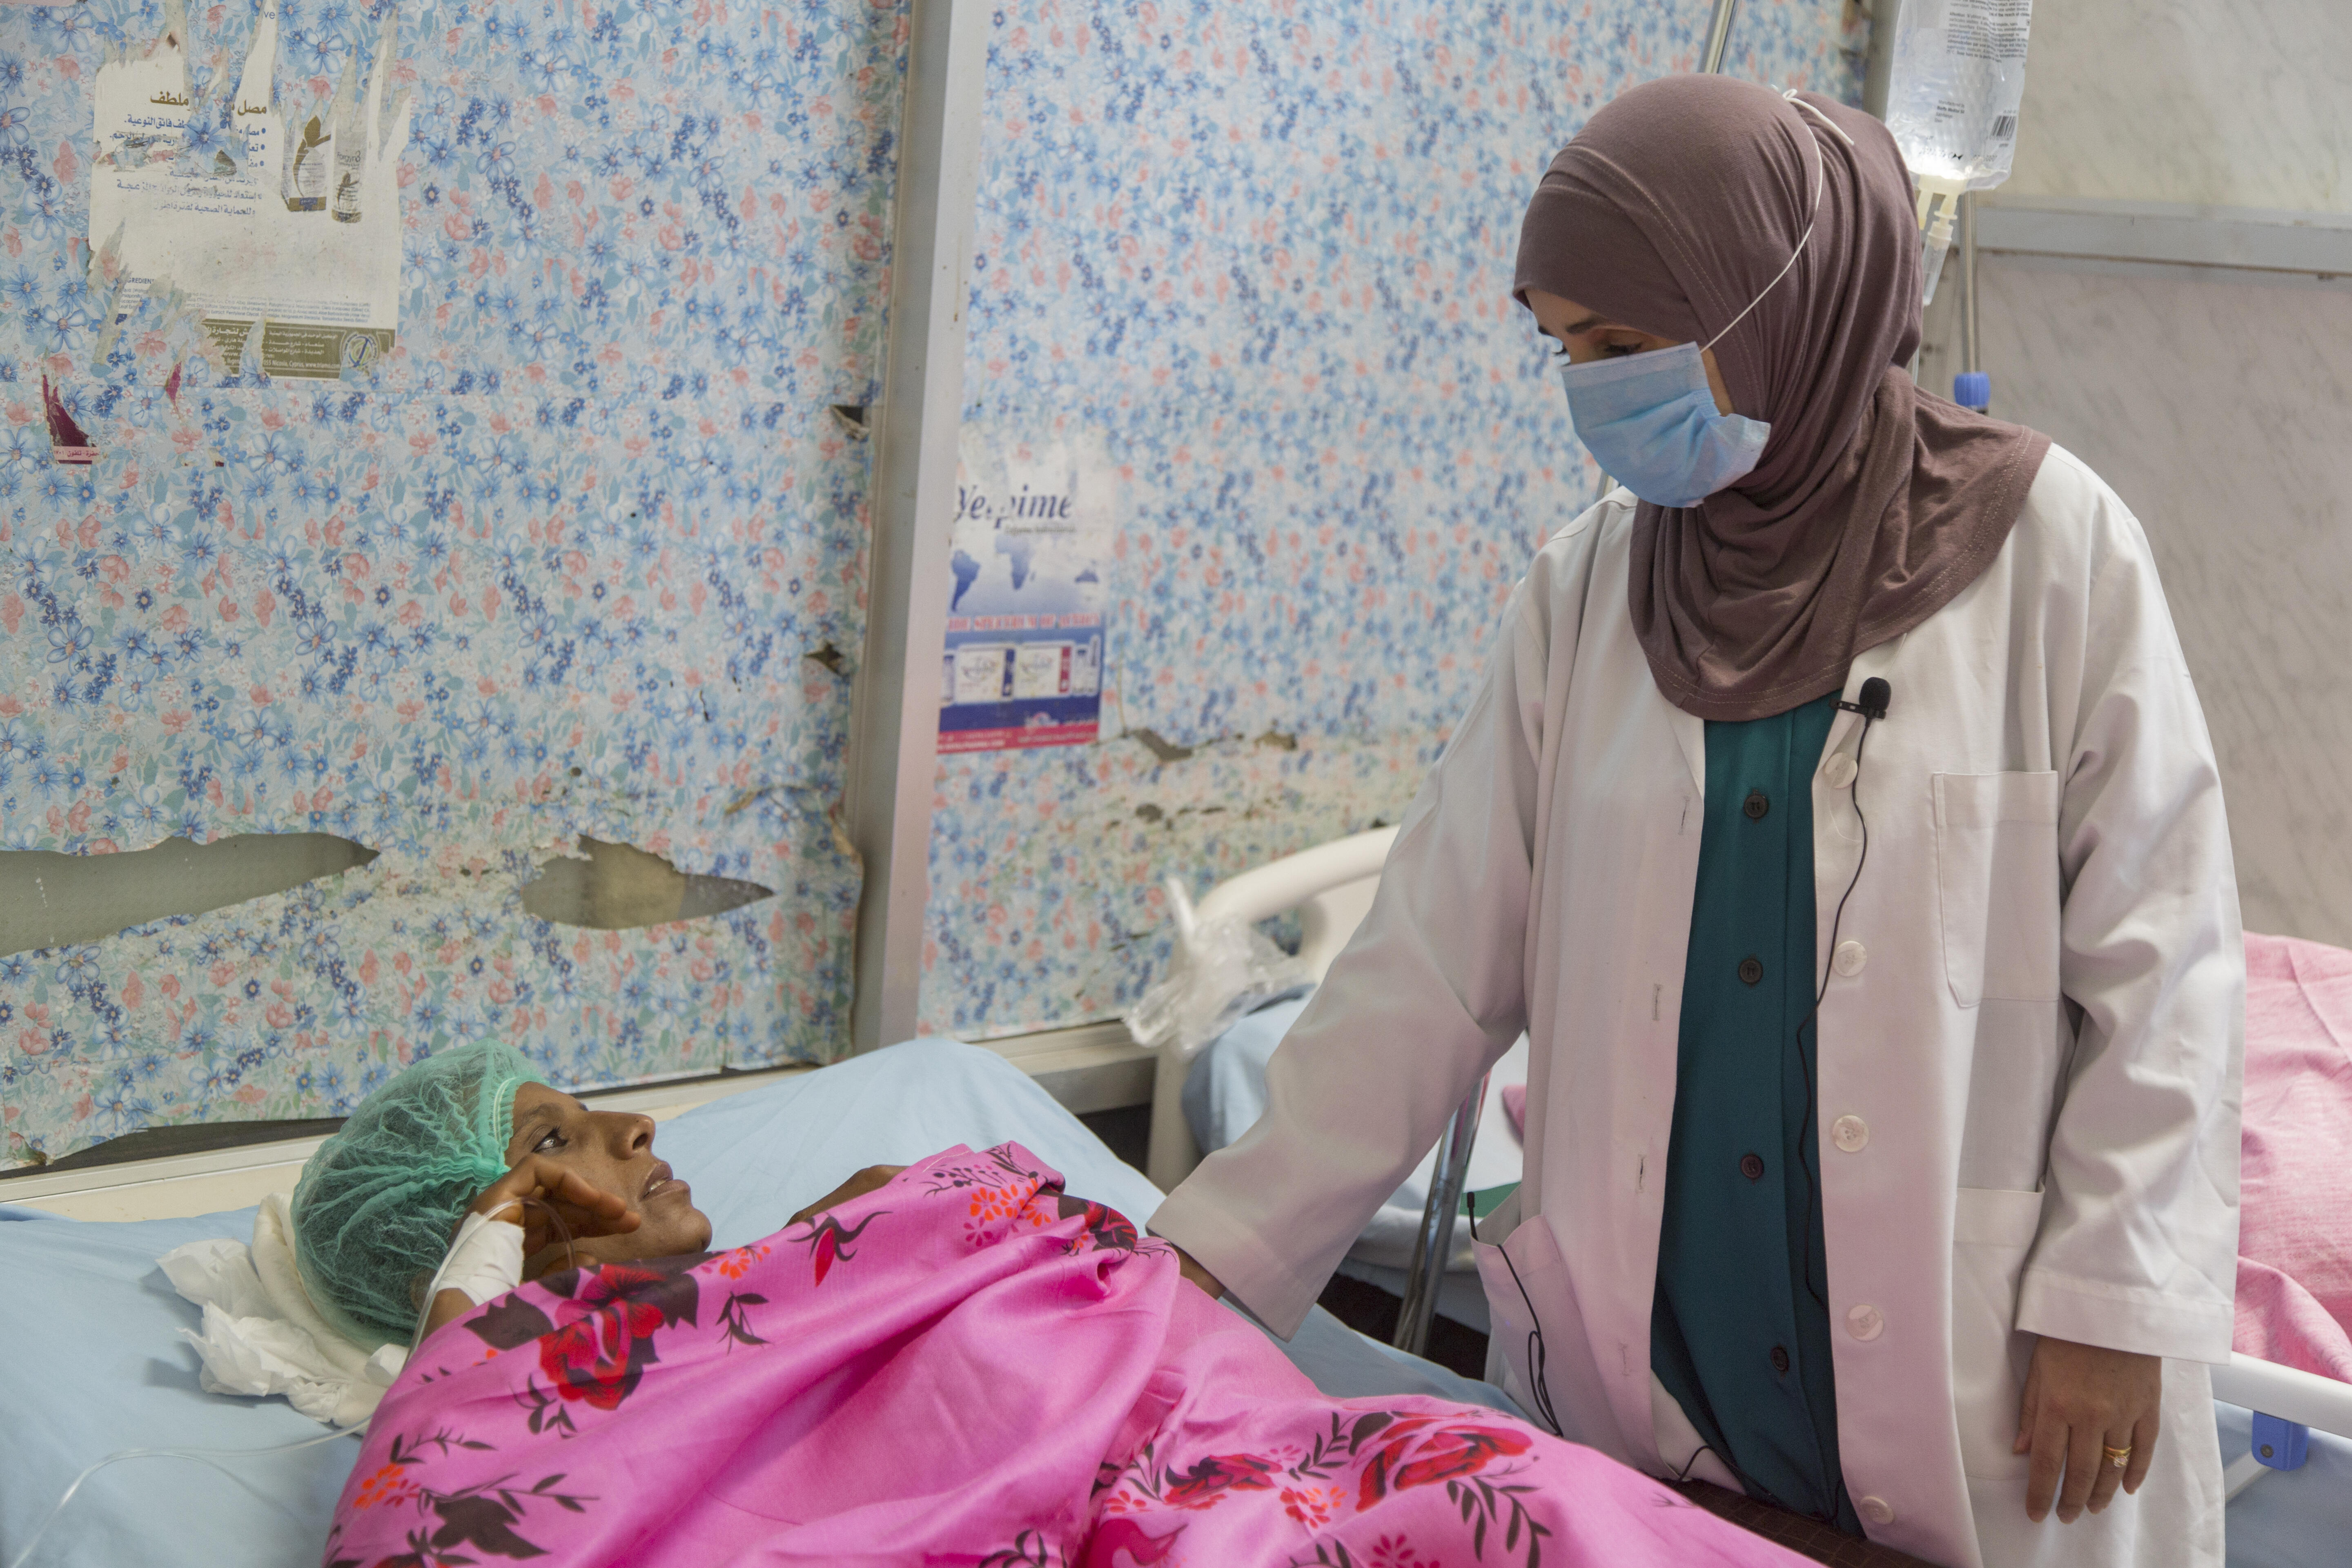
[(1972, 389)]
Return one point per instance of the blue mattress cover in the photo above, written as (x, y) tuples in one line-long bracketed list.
[(2289, 1519), (90, 1362)]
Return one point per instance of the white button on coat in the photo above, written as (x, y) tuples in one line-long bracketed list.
[(1849, 958), (1876, 1509), (1850, 1133), (1865, 1323), (1838, 771)]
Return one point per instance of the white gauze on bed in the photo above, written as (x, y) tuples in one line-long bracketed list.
[(262, 1336)]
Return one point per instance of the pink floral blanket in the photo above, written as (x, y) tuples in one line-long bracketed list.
[(2294, 1216), (967, 1366)]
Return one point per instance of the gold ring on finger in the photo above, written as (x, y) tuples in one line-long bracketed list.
[(2117, 1457)]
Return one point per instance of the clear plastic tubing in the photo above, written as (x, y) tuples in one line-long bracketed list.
[(201, 1456)]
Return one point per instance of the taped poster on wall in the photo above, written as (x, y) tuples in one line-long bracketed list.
[(1025, 643), (279, 220)]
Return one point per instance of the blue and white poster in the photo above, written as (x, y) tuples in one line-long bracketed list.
[(1024, 645)]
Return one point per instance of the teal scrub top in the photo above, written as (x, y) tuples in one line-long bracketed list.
[(1739, 1326)]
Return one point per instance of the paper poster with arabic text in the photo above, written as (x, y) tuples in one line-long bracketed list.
[(269, 205)]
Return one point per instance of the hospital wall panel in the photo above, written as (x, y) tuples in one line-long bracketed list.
[(581, 557), (2217, 410), (2232, 103), (2215, 402), (1259, 259)]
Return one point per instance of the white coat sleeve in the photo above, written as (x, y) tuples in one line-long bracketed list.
[(2138, 1243), (1428, 993)]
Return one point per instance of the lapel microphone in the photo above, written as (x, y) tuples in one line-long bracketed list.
[(1874, 695)]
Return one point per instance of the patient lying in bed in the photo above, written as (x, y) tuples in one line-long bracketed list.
[(955, 1359)]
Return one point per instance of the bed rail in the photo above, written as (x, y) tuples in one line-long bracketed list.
[(1331, 887), (2305, 1398)]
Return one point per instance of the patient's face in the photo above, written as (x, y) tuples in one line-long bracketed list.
[(613, 1150)]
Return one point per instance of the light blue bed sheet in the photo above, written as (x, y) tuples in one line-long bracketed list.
[(2289, 1519), (90, 1362)]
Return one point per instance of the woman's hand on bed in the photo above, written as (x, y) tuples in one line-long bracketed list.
[(859, 1185), (2081, 1400), (1192, 1270)]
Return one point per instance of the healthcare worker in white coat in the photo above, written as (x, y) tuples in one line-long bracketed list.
[(1840, 823)]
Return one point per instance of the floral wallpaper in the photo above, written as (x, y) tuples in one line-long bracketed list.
[(583, 555), (1263, 254)]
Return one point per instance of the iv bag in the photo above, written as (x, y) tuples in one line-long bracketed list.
[(1952, 104)]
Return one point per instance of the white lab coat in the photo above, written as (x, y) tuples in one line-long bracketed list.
[(2029, 1050)]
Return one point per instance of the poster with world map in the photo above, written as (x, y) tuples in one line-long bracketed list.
[(1025, 641)]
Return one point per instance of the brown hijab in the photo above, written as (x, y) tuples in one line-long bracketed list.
[(1873, 503)]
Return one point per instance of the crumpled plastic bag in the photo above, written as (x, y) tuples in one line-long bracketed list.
[(261, 1335), (1222, 970)]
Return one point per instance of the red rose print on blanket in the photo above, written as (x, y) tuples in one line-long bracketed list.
[(601, 1341), (1446, 1454), (1213, 1476), (1107, 1228), (1117, 1536), (1363, 1460)]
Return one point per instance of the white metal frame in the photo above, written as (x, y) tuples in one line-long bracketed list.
[(2269, 1389), (2237, 240), (895, 722), (2285, 1393), (1718, 37)]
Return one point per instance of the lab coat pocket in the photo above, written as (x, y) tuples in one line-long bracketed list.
[(1996, 884), (1532, 1312), (1992, 1231)]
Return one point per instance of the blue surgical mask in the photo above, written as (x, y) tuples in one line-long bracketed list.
[(1650, 419)]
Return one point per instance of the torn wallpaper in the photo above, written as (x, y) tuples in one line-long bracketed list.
[(1263, 254), (570, 547), (290, 225)]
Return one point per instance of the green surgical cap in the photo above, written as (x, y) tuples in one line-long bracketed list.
[(376, 1205)]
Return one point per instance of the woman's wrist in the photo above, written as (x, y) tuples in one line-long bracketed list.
[(1191, 1270), (484, 1262)]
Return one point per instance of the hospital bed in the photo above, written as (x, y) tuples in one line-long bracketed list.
[(1217, 1088), (2285, 1435), (91, 1362)]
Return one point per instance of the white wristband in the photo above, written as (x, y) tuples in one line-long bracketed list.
[(484, 1263)]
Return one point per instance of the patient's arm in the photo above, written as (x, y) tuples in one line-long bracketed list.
[(544, 1179), (1199, 1276), (859, 1185)]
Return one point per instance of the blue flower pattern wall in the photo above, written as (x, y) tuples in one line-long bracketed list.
[(555, 568), (584, 556), (1262, 255)]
